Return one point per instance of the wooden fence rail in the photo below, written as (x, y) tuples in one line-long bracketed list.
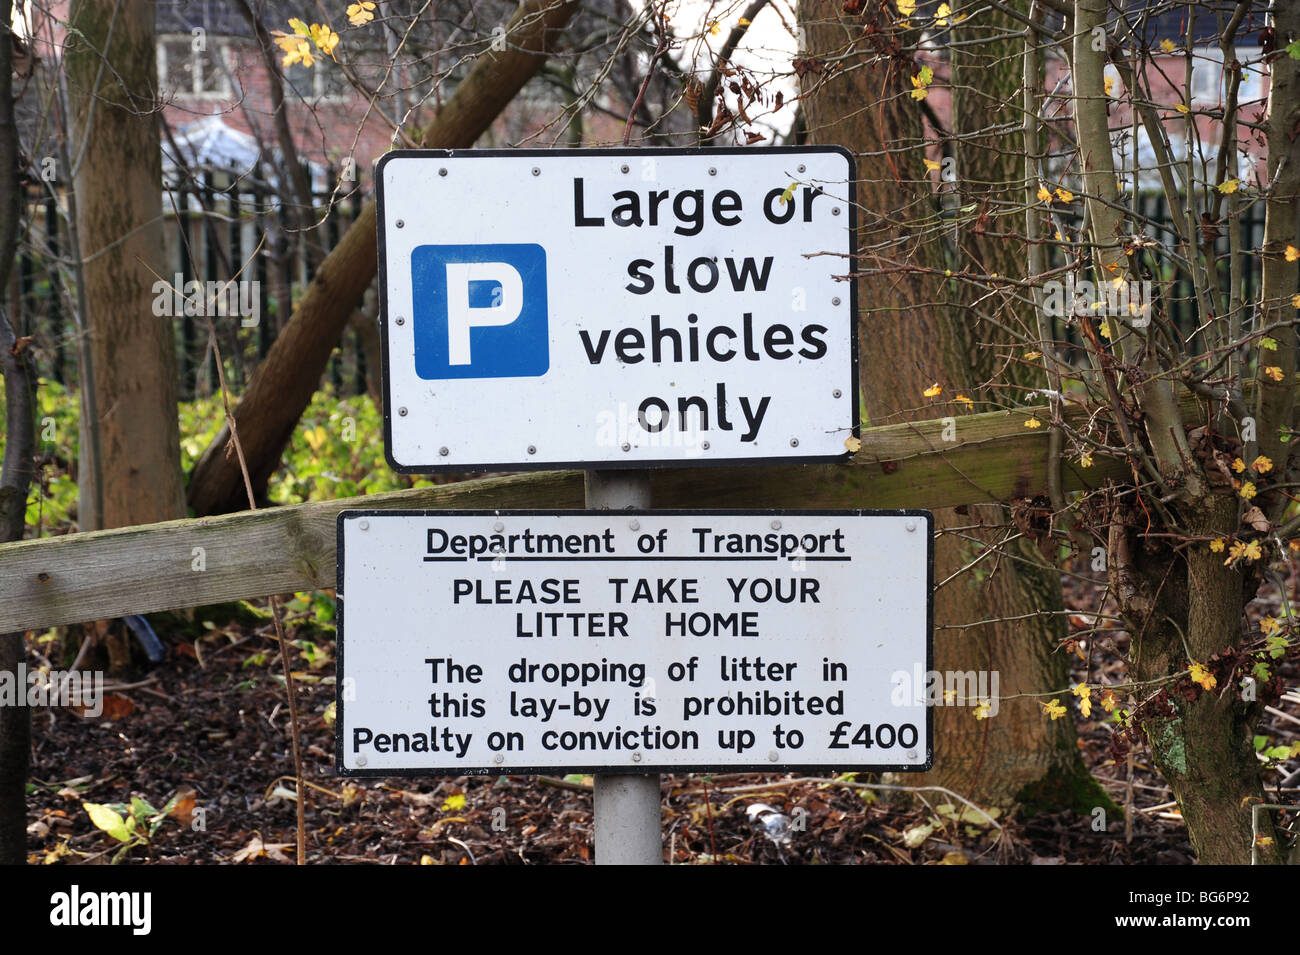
[(62, 580)]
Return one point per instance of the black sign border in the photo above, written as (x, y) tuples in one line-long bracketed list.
[(653, 769), (620, 464)]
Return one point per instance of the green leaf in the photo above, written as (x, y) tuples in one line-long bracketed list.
[(141, 809), (109, 821), (1269, 343), (1293, 50)]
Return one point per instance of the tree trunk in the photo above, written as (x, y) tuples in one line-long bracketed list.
[(17, 469), (913, 334), (111, 67), (287, 378), (1184, 604)]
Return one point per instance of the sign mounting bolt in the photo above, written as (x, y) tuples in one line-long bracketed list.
[(835, 300), (361, 761), (835, 210), (532, 449), (442, 171), (837, 393), (911, 526), (498, 759), (773, 755), (634, 525), (498, 527), (443, 451), (364, 525), (713, 170), (776, 525), (536, 171), (802, 167), (911, 754), (636, 757), (794, 442), (400, 223), (626, 446), (704, 445), (400, 320), (623, 169), (401, 412)]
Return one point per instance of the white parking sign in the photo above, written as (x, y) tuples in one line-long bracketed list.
[(681, 641), (616, 308)]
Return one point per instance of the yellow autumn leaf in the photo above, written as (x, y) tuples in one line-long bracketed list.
[(1044, 194), (1274, 372), (1033, 423), (1248, 490), (933, 390), (1292, 253), (1104, 329), (361, 13), (324, 38), (1293, 545), (296, 51), (298, 27), (1269, 626), (714, 28), (1253, 551), (852, 445), (1053, 709), (315, 437), (941, 15), (1217, 545), (1084, 693), (1065, 195), (1238, 465), (1109, 700), (984, 710), (1085, 459), (931, 165), (1032, 355), (920, 81), (743, 22), (1228, 187), (1202, 676), (454, 803), (1059, 237), (1110, 86), (1262, 465), (1181, 108), (906, 8), (1167, 45), (963, 399)]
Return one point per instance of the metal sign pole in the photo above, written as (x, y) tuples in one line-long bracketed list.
[(629, 830)]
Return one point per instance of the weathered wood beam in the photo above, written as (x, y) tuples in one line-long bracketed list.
[(54, 581)]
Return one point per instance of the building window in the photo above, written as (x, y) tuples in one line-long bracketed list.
[(322, 83), (189, 66), (1209, 78)]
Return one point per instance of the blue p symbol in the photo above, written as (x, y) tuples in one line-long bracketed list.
[(480, 311)]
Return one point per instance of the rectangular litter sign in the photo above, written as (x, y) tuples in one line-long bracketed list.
[(631, 641), (616, 308)]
